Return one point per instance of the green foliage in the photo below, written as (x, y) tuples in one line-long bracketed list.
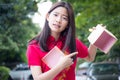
[(16, 28), (4, 73)]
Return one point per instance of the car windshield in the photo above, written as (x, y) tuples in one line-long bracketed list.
[(21, 68), (101, 69)]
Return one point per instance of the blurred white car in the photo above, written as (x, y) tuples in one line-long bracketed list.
[(82, 69), (21, 72)]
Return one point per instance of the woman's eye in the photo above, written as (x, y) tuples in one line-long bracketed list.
[(55, 14), (65, 18)]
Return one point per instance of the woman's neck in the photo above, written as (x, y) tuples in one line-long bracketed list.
[(56, 36)]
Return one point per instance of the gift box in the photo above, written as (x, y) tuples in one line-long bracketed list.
[(52, 57), (102, 38)]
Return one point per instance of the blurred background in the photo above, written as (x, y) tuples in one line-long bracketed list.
[(20, 20)]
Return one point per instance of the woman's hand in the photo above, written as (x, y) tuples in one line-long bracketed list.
[(66, 60), (94, 28)]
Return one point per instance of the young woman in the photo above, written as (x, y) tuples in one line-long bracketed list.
[(59, 30)]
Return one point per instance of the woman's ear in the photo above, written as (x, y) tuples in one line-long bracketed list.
[(47, 17)]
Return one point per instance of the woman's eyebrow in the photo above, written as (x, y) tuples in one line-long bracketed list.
[(62, 14)]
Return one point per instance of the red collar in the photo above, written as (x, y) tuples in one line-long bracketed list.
[(59, 43)]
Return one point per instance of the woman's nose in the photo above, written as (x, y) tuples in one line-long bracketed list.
[(58, 19)]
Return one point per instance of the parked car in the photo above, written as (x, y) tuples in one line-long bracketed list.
[(103, 71), (82, 68), (21, 72)]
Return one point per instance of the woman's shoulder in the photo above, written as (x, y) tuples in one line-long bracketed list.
[(78, 40), (79, 43), (34, 48), (33, 43)]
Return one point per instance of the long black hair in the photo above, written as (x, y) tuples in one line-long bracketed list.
[(69, 32)]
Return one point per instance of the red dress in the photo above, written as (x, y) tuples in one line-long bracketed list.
[(35, 55)]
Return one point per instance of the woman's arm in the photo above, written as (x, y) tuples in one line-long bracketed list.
[(91, 53), (50, 75)]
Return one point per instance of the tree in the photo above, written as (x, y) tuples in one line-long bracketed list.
[(16, 28)]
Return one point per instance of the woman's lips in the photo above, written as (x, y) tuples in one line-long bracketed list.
[(56, 25)]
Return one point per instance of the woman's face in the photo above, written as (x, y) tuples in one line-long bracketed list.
[(58, 20)]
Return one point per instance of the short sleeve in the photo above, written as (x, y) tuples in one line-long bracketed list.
[(81, 48), (33, 56)]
